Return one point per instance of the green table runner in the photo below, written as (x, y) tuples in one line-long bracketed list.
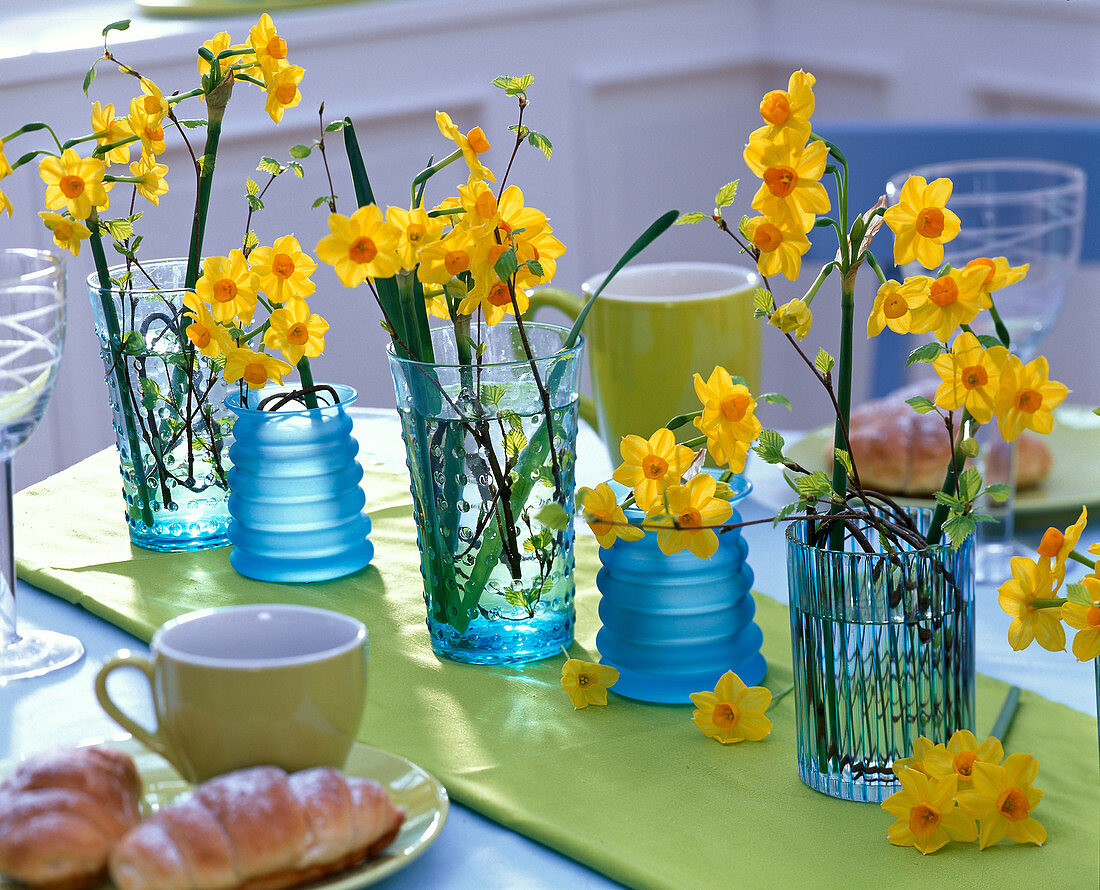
[(632, 790)]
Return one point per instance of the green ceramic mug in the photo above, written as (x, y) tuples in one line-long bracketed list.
[(653, 328), (247, 685)]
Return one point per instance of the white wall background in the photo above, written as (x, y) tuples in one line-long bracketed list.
[(648, 103)]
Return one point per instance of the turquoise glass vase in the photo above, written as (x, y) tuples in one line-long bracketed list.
[(673, 625), (296, 507), (883, 652)]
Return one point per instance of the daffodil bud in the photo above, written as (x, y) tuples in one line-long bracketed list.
[(793, 318), (969, 447)]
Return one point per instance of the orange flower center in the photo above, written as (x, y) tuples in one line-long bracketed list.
[(767, 237), (63, 231), (282, 266), (477, 140), (986, 263), (456, 261), (1052, 542), (725, 715), (499, 295), (974, 376), (654, 466), (1092, 617), (775, 108), (255, 374), (894, 306), (415, 233), (297, 334), (1029, 400), (943, 292), (964, 763), (276, 47), (71, 186), (285, 93), (494, 253), (362, 250), (689, 518), (1012, 804), (930, 222), (734, 406), (923, 819), (152, 105), (780, 180), (199, 335), (584, 680), (225, 290), (154, 133), (486, 204)]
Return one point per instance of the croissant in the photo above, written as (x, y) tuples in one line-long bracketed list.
[(258, 829), (61, 812)]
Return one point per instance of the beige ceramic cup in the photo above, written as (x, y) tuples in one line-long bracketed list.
[(247, 685)]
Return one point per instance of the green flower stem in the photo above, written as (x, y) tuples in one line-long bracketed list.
[(202, 199), (843, 395), (1083, 558), (122, 380), (873, 263), (999, 325), (172, 100), (1047, 602), (950, 483), (428, 172), (1008, 711), (780, 695), (682, 419), (306, 375), (825, 272)]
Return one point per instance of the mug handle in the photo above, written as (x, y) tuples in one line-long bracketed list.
[(570, 305), (152, 739)]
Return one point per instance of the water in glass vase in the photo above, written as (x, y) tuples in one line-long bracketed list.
[(498, 581)]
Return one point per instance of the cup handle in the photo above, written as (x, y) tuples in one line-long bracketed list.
[(570, 305), (152, 739)]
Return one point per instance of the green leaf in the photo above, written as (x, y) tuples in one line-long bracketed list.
[(119, 229), (255, 203), (193, 123), (319, 201), (296, 168), (690, 219), (513, 85), (824, 362), (970, 484), (726, 194), (769, 446), (150, 392), (959, 528), (300, 151), (133, 343), (492, 393), (334, 126), (925, 353), (89, 77), (785, 511), (120, 25), (553, 516), (988, 340), (514, 443), (948, 500), (1078, 593), (535, 268), (506, 265), (816, 485), (251, 241), (251, 186), (844, 459), (762, 301), (999, 492), (921, 404), (269, 165), (775, 398), (539, 141)]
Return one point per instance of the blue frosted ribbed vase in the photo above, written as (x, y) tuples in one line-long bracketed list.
[(296, 508), (673, 625)]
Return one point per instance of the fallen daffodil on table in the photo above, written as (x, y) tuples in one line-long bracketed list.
[(733, 712), (1003, 799), (585, 682), (927, 816)]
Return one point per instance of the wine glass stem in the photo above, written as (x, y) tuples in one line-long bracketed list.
[(8, 634)]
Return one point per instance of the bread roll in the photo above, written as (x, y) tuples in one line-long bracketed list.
[(258, 829), (61, 812)]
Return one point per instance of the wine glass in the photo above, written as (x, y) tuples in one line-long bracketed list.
[(1028, 211), (32, 327)]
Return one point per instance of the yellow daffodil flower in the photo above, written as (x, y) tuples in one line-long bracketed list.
[(544, 248), (971, 376), (151, 175), (1003, 799), (270, 48), (528, 230), (893, 307), (1086, 621), (208, 336), (110, 129), (958, 757), (5, 167), (442, 260), (1057, 545), (998, 273), (728, 419), (1027, 398), (791, 190), (67, 233), (361, 246), (148, 128), (283, 271), (791, 108), (491, 295), (922, 748), (226, 286), (780, 246), (686, 515), (480, 204), (283, 92), (1031, 580), (416, 229), (472, 144), (153, 102), (927, 817), (256, 369), (733, 712), (921, 222), (437, 306), (586, 683), (945, 303), (296, 332), (6, 204), (605, 517), (793, 317), (217, 44), (74, 183), (649, 467)]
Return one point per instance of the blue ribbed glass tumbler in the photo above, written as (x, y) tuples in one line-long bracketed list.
[(883, 650), (673, 625), (296, 507)]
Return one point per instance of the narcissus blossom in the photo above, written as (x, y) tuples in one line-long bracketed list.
[(686, 515), (650, 466), (781, 247), (971, 377), (283, 271), (729, 418), (791, 172), (586, 683), (109, 130), (1085, 619), (1027, 398), (226, 286), (600, 509), (921, 222), (1003, 799), (361, 246), (283, 92), (150, 175), (927, 817), (733, 712), (1031, 580), (256, 369), (67, 233), (472, 145), (296, 331), (74, 183)]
